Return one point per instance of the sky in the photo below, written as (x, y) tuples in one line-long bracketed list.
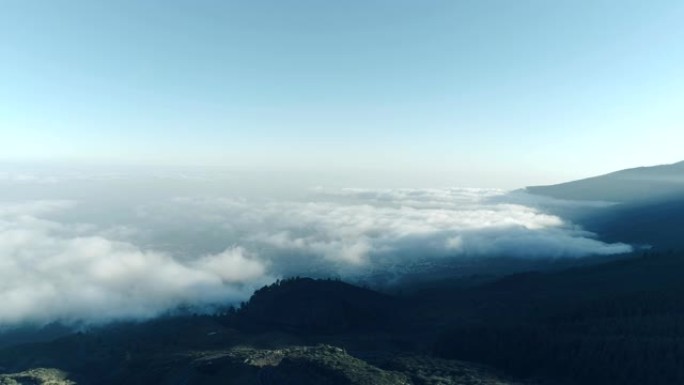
[(377, 93)]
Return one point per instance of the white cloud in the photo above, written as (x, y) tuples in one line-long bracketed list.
[(354, 231), (47, 274), (58, 261)]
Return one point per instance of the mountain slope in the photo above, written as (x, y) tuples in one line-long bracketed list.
[(649, 207), (631, 185), (305, 305), (659, 224), (617, 323)]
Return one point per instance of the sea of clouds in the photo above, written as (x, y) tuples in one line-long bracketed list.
[(77, 248)]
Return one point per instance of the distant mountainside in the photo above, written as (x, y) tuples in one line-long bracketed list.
[(649, 209), (658, 224), (626, 186)]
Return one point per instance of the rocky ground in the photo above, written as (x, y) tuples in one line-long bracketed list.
[(39, 376), (321, 365), (300, 365)]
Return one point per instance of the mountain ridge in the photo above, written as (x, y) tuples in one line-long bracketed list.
[(638, 184)]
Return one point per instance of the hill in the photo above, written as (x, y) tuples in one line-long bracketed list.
[(648, 209), (626, 186), (305, 305), (617, 323), (259, 344), (614, 323)]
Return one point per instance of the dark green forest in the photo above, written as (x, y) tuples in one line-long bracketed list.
[(619, 323)]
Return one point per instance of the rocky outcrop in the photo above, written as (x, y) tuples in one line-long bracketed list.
[(39, 376)]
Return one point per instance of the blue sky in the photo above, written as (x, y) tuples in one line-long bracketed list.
[(414, 93)]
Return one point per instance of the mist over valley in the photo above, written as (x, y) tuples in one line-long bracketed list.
[(123, 247)]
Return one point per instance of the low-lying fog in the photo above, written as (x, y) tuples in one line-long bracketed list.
[(81, 246)]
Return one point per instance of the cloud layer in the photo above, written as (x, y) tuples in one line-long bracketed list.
[(93, 261), (49, 271)]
